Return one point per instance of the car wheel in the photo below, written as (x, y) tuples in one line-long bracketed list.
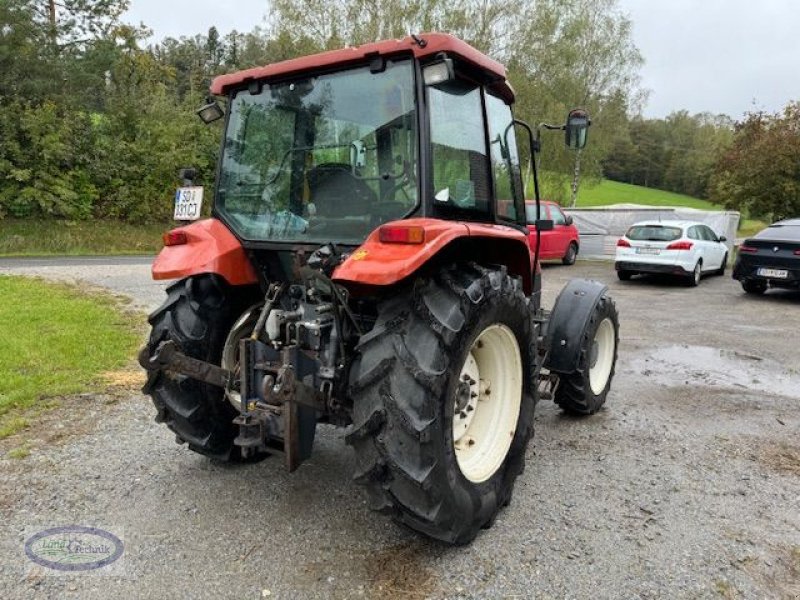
[(696, 275), (752, 286), (723, 266), (624, 275), (572, 254)]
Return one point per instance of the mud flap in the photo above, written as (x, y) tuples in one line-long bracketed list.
[(568, 321)]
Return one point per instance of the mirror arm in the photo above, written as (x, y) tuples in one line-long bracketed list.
[(535, 147)]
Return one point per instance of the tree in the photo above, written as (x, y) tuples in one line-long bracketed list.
[(760, 173)]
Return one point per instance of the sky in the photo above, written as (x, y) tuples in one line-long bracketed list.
[(717, 56)]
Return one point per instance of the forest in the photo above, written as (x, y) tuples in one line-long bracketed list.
[(96, 117)]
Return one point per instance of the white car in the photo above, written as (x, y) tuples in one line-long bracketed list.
[(684, 248)]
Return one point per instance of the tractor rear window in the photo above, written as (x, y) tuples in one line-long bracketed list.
[(321, 159), (654, 233)]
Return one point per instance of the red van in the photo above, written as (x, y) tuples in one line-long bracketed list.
[(562, 242)]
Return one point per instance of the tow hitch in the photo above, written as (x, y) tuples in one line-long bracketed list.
[(275, 406)]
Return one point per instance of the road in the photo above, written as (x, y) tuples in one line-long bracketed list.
[(686, 485)]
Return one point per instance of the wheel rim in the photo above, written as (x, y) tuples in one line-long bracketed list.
[(487, 403), (697, 273), (601, 359)]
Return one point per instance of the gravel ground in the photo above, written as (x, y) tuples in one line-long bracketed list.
[(687, 485)]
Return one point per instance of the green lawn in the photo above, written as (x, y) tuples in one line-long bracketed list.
[(613, 192), (56, 340), (52, 237), (610, 192)]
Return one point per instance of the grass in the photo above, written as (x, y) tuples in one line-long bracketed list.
[(56, 341), (610, 192), (613, 192), (20, 237)]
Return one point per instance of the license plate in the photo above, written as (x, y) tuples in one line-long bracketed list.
[(188, 202), (773, 273), (648, 251)]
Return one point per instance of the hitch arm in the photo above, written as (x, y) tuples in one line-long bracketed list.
[(167, 357)]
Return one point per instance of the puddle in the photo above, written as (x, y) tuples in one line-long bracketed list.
[(701, 365)]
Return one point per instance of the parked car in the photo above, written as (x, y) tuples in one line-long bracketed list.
[(562, 242), (771, 258), (685, 248)]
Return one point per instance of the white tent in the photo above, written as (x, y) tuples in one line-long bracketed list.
[(602, 226)]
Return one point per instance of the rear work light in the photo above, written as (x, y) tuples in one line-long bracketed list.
[(748, 249), (623, 243), (176, 237), (399, 234), (680, 246)]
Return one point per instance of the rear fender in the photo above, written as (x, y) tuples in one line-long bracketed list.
[(210, 248), (376, 263), (568, 321)]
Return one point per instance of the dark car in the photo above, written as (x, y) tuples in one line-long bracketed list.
[(771, 258)]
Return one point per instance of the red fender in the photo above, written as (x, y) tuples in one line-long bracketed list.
[(210, 248), (379, 263)]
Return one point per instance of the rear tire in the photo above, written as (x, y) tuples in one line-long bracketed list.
[(572, 254), (624, 275), (408, 375), (754, 286), (197, 316), (584, 391), (693, 280)]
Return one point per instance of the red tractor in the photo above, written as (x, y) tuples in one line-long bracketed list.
[(367, 266)]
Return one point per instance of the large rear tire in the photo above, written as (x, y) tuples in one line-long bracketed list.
[(584, 391), (443, 401), (197, 316)]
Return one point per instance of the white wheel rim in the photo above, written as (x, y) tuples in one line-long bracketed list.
[(487, 404), (601, 358)]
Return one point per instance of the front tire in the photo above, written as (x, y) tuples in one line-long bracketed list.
[(197, 316), (572, 254), (430, 448), (624, 275), (584, 391), (723, 266)]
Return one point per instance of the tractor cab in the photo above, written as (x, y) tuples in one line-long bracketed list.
[(333, 146)]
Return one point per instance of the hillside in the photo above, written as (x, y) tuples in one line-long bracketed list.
[(613, 192)]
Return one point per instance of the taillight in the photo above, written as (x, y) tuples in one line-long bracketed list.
[(680, 246), (748, 249), (623, 243), (797, 252), (402, 234), (176, 237)]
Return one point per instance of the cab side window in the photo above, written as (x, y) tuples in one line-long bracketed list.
[(504, 157), (460, 166)]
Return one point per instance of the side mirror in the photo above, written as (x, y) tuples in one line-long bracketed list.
[(568, 220), (722, 238), (577, 129)]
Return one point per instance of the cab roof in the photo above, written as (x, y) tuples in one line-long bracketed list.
[(433, 43)]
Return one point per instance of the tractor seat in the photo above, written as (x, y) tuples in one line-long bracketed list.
[(336, 192)]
